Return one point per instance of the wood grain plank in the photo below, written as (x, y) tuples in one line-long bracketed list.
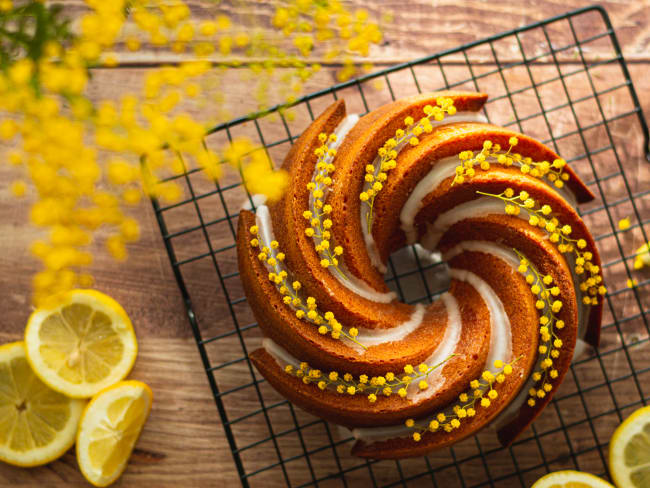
[(183, 442), (423, 27), (164, 455)]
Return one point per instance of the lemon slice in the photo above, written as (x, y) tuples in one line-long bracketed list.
[(37, 424), (109, 428), (571, 479), (81, 343), (629, 451)]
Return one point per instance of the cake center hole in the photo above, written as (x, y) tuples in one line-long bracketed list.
[(417, 275)]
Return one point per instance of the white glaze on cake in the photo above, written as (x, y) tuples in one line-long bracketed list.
[(504, 253), (257, 199), (368, 337), (500, 348), (264, 225), (500, 334), (512, 259), (426, 256), (354, 284), (361, 288), (440, 171), (371, 247), (444, 350), (374, 337), (479, 207), (508, 255)]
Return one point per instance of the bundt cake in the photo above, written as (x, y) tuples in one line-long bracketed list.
[(525, 279)]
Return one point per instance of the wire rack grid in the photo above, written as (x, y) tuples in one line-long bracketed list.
[(542, 81)]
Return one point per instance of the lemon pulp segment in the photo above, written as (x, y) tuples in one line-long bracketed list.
[(637, 456), (37, 424), (571, 479), (629, 451), (82, 344), (109, 429)]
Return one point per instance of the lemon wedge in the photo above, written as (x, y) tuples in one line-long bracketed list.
[(571, 479), (37, 424), (109, 428), (629, 451), (81, 343)]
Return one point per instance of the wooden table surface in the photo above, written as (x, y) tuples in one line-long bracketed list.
[(183, 443)]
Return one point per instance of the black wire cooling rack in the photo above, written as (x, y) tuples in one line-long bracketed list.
[(542, 80)]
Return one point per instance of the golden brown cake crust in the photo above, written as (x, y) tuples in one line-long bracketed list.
[(360, 148), (445, 197), (522, 314), (531, 242), (301, 339), (413, 163), (357, 411), (289, 225)]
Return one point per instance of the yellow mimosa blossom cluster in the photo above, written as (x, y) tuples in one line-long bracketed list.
[(642, 256), (373, 387), (88, 160), (305, 309), (624, 224), (300, 27), (319, 218), (257, 169), (346, 33), (377, 172), (482, 394), (539, 215), (549, 303), (492, 153)]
